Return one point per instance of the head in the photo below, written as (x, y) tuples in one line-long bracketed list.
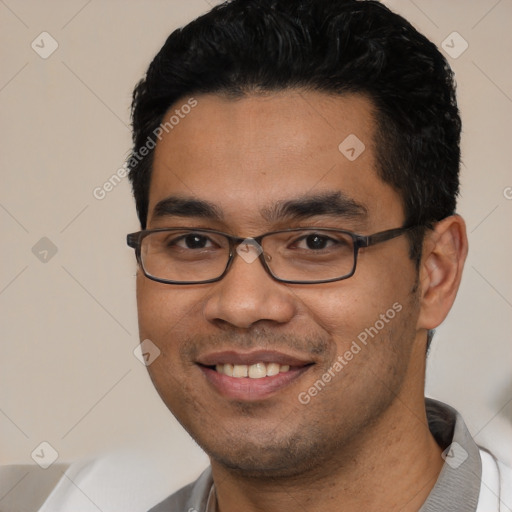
[(241, 120)]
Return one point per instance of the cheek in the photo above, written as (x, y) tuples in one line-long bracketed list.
[(167, 315), (345, 309), (165, 310)]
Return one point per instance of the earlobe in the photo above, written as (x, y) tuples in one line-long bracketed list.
[(444, 253)]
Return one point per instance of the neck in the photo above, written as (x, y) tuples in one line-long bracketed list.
[(393, 467)]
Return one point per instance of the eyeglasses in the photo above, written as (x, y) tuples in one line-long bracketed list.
[(295, 256)]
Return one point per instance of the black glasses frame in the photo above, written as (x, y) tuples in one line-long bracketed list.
[(134, 240)]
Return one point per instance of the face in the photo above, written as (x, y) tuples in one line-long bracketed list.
[(333, 356)]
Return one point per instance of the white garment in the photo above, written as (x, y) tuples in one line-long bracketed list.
[(132, 480), (496, 488)]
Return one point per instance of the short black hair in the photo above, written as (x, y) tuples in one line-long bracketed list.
[(333, 46)]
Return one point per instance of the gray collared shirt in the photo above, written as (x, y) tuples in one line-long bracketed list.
[(456, 490)]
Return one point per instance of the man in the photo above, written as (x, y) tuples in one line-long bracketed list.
[(295, 171)]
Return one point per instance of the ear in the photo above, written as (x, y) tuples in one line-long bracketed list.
[(444, 252)]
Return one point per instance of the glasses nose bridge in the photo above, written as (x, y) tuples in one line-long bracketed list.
[(248, 249), (246, 246)]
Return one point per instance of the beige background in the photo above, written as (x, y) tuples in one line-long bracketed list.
[(68, 374)]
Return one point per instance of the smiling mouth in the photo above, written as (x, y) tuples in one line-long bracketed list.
[(252, 382), (251, 376), (253, 371)]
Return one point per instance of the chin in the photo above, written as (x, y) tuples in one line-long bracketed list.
[(276, 457)]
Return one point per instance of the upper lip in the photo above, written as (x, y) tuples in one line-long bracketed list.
[(249, 358)]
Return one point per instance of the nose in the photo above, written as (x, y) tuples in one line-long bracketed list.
[(248, 295)]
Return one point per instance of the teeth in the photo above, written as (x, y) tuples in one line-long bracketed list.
[(240, 370), (253, 371), (257, 371), (272, 369)]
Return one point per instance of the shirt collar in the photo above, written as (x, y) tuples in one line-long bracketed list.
[(211, 504), (458, 485)]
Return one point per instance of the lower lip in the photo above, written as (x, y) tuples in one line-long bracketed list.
[(248, 389)]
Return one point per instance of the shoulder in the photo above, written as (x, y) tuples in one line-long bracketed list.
[(176, 502), (192, 497), (129, 479)]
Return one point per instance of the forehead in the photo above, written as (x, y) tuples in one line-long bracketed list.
[(246, 154)]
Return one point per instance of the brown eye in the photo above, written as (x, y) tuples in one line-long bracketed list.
[(194, 241), (317, 242)]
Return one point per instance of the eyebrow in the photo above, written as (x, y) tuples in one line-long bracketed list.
[(186, 207), (329, 203)]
